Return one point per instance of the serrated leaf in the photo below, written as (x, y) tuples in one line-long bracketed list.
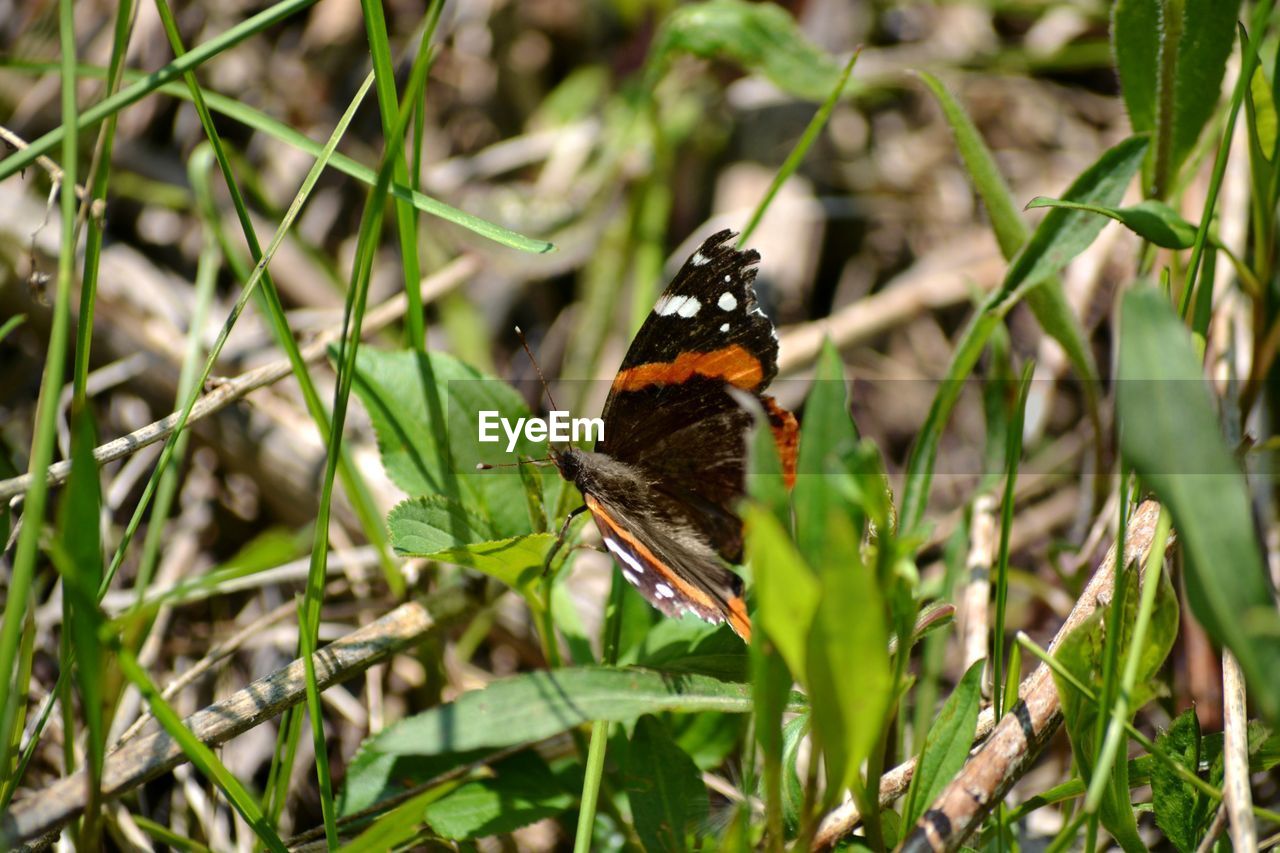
[(1179, 807), (521, 791), (433, 523), (947, 746), (664, 786), (761, 37), (425, 410), (1152, 220), (1169, 433)]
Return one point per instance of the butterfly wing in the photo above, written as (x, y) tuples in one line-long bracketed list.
[(671, 410)]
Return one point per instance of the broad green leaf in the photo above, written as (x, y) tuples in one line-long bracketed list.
[(664, 786), (434, 523), (1060, 236), (1152, 220), (425, 410), (1179, 807), (521, 791), (947, 746), (761, 37), (536, 705), (689, 644), (1135, 28), (376, 776), (1208, 33), (785, 587), (517, 561), (828, 433), (1169, 433), (847, 670)]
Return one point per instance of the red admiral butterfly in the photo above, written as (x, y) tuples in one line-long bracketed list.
[(664, 482)]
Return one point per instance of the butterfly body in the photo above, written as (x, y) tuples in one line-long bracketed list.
[(664, 483)]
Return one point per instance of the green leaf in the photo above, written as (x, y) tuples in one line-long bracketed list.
[(1179, 807), (425, 410), (947, 746), (1047, 302), (1081, 655), (761, 37), (1152, 220), (689, 644), (1061, 235), (397, 827), (80, 541), (1208, 33), (847, 670), (536, 705), (517, 561), (1262, 108), (521, 791), (828, 433), (785, 587), (433, 523), (1169, 433), (523, 709), (668, 798), (1135, 28)]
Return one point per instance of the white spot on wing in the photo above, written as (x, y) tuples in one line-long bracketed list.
[(727, 301), (631, 579), (724, 327), (683, 306), (664, 591), (628, 561), (728, 278), (699, 259)]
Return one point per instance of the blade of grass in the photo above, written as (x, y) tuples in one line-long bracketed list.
[(200, 755), (353, 314), (278, 130), (43, 433), (796, 157), (18, 161), (600, 728), (1120, 708)]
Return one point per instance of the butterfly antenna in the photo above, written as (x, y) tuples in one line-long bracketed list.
[(488, 466), (545, 387)]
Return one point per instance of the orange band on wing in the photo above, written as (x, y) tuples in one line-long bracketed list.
[(736, 611), (786, 435), (733, 364)]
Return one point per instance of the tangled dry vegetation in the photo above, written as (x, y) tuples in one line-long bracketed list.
[(538, 117)]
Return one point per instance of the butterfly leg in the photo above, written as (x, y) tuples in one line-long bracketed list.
[(560, 539)]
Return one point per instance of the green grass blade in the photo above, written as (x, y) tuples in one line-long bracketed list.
[(796, 157), (1057, 240), (353, 314), (200, 755), (43, 433), (18, 161)]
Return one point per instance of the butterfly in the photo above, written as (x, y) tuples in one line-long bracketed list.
[(664, 482)]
